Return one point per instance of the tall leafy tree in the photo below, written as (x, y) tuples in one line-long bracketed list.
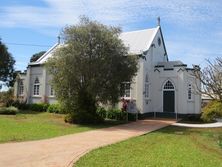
[(36, 56), (89, 68), (6, 66)]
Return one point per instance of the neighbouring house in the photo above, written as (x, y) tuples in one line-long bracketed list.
[(160, 86)]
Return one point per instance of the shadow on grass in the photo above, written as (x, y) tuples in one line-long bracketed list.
[(29, 112), (186, 130), (106, 124), (199, 136)]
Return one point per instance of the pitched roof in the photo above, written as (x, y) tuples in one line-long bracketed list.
[(137, 41), (45, 56)]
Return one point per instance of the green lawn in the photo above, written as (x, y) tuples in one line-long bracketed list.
[(170, 146), (33, 126)]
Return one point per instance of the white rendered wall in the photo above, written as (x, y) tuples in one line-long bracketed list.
[(34, 73), (157, 52), (180, 80)]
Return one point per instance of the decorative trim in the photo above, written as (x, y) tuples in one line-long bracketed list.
[(163, 44), (157, 66), (189, 69), (156, 70), (168, 69), (180, 65), (180, 70)]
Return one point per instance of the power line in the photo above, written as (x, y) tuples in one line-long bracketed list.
[(26, 44)]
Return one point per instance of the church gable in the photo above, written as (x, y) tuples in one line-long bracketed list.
[(158, 48)]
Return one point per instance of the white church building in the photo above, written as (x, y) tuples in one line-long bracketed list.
[(160, 86)]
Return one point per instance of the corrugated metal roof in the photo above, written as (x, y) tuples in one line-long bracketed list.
[(45, 56), (137, 41)]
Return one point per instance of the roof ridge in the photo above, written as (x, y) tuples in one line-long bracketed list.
[(46, 53), (140, 30)]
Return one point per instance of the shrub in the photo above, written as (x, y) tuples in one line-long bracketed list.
[(83, 117), (101, 112), (40, 107), (116, 114), (212, 111), (20, 105), (55, 108), (9, 110)]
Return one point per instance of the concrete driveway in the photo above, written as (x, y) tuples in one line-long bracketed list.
[(65, 150)]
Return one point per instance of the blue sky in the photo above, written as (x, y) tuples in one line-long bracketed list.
[(192, 29)]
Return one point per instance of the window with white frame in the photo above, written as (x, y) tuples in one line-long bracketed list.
[(52, 91), (189, 91), (21, 88), (36, 87), (146, 86), (125, 89)]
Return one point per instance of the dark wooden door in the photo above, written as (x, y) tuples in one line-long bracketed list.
[(168, 101)]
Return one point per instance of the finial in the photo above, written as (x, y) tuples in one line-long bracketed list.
[(59, 39), (158, 21)]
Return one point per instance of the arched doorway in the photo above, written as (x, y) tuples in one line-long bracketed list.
[(169, 97)]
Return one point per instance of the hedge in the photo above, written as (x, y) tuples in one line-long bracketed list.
[(55, 108), (40, 107), (8, 110)]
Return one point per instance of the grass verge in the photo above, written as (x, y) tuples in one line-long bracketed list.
[(28, 125), (171, 146)]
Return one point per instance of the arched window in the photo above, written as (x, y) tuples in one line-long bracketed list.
[(168, 86), (189, 92), (21, 88), (147, 87), (36, 87)]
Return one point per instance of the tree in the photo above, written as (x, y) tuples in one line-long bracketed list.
[(6, 66), (211, 79), (36, 56), (89, 69)]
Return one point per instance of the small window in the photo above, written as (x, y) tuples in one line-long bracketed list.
[(146, 86), (21, 88), (159, 41), (52, 91), (146, 90), (147, 78), (36, 87), (189, 92), (125, 89)]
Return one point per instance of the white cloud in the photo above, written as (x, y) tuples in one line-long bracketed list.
[(199, 18), (191, 53), (58, 13)]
